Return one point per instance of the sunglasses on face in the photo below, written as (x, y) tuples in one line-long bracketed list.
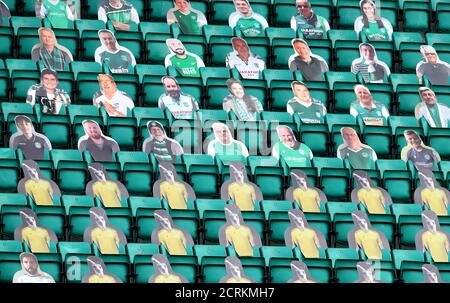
[(303, 5)]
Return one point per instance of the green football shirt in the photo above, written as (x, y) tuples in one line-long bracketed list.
[(188, 23), (187, 67)]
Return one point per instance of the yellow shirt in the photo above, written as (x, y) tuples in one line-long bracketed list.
[(106, 240), (96, 279), (242, 280), (167, 279), (370, 242), (437, 245), (243, 195), (307, 241), (38, 239), (173, 241), (308, 199), (108, 192), (41, 191), (372, 199), (175, 194), (436, 200), (241, 239)]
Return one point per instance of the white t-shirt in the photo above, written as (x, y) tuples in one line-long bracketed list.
[(24, 277), (120, 101), (249, 70)]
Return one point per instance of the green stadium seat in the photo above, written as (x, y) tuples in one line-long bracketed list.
[(203, 174), (139, 249), (400, 38), (438, 139), (379, 138), (416, 17), (158, 9), (443, 17), (398, 125), (212, 31), (335, 254), (342, 35), (137, 171), (87, 26), (25, 22), (333, 177), (402, 256), (396, 179), (57, 130), (276, 252), (346, 271), (73, 249), (71, 170), (80, 68)]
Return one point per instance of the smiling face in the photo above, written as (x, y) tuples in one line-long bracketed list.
[(301, 92), (107, 85), (243, 7), (301, 49), (363, 95), (304, 8), (431, 57), (182, 5), (428, 97), (241, 48), (92, 130), (177, 47), (50, 82), (369, 10), (350, 137), (222, 133), (25, 126), (47, 38), (237, 90), (286, 136), (414, 140), (367, 52), (108, 40), (157, 133), (172, 88)]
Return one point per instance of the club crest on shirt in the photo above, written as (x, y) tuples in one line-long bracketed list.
[(364, 155)]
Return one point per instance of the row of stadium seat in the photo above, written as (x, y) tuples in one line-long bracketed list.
[(207, 264), (278, 12)]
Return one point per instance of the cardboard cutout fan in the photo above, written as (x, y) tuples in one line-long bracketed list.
[(243, 192), (110, 192), (118, 59), (246, 21), (99, 146), (98, 273), (174, 239), (106, 237), (169, 187), (164, 272), (367, 273), (50, 52), (40, 189), (308, 198), (423, 157), (431, 274), (300, 273), (159, 144), (300, 234), (31, 272), (186, 63), (37, 237), (432, 238), (32, 144), (188, 19), (235, 272), (224, 144), (375, 199), (372, 242), (431, 195), (242, 237)]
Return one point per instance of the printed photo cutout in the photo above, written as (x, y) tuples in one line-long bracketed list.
[(432, 239), (186, 63), (311, 25), (436, 70), (307, 197), (116, 103), (431, 274), (110, 192), (106, 237), (31, 272), (367, 273), (371, 25), (5, 14), (60, 13), (249, 23), (169, 187), (423, 157), (121, 13), (371, 68), (159, 144), (37, 237), (293, 152), (244, 106), (99, 146), (164, 272), (180, 104), (48, 95), (33, 145), (310, 110), (300, 273), (369, 110), (360, 156), (41, 190), (235, 272), (431, 195), (174, 239), (116, 58), (435, 113), (98, 273), (242, 58), (224, 144), (310, 65), (235, 233), (309, 240), (53, 55), (375, 200), (238, 189), (187, 18), (371, 241)]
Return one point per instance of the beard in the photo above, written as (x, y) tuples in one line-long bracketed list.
[(179, 51), (175, 94)]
